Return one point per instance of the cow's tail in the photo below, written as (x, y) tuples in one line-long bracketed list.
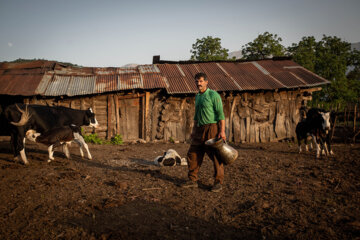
[(25, 116)]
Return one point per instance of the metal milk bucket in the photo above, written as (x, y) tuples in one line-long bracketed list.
[(224, 152)]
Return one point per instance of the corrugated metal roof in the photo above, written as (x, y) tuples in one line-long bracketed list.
[(41, 89), (106, 83), (81, 85), (288, 79), (27, 65), (177, 80), (53, 79), (218, 80), (58, 86), (311, 79), (129, 81), (249, 77), (19, 84), (153, 80)]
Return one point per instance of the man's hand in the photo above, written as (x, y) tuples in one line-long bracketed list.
[(222, 130), (222, 135)]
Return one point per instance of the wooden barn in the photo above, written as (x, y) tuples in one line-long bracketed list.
[(262, 99)]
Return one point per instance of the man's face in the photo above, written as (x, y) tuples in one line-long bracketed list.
[(201, 84)]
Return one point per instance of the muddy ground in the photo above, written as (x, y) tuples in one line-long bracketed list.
[(270, 192)]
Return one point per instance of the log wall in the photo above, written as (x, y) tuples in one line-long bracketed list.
[(250, 117)]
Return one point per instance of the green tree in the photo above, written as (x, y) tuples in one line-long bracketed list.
[(333, 56), (264, 46), (355, 64), (304, 52), (330, 58), (208, 49)]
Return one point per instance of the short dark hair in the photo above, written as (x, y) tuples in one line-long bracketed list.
[(201, 75)]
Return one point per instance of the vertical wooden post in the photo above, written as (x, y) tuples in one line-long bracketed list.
[(109, 116), (355, 117), (227, 115), (345, 116), (117, 115), (143, 110), (82, 104), (348, 115), (231, 117), (147, 102), (93, 107)]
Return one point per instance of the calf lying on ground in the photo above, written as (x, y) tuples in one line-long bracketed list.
[(60, 136), (316, 125), (170, 158)]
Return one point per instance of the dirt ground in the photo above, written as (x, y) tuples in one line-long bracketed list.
[(270, 192)]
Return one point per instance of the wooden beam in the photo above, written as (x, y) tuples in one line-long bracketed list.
[(117, 115), (131, 96), (147, 103), (109, 98), (82, 104), (143, 106), (231, 117)]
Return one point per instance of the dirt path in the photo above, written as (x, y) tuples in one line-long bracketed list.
[(270, 192)]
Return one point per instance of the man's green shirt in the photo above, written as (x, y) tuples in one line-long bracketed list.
[(208, 107)]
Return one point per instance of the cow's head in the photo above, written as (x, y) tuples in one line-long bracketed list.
[(90, 119), (32, 135), (326, 120)]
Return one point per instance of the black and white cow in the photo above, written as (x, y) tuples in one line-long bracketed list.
[(170, 158), (42, 119), (316, 125), (60, 136)]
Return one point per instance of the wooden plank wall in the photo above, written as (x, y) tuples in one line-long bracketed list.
[(250, 117)]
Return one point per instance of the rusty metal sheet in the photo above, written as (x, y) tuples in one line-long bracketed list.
[(125, 70), (105, 71), (74, 71), (54, 79), (148, 69), (178, 83), (190, 70), (25, 65), (249, 77), (288, 79), (106, 83), (81, 85), (218, 79), (311, 79), (18, 71), (276, 66), (40, 90), (23, 84), (129, 81), (58, 86), (153, 80)]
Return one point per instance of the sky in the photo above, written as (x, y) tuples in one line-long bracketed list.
[(111, 33)]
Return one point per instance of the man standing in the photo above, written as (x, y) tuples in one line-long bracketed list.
[(209, 122)]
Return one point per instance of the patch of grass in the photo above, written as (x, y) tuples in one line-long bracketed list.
[(117, 140), (171, 139), (93, 138)]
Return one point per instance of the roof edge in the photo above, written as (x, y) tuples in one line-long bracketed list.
[(156, 60)]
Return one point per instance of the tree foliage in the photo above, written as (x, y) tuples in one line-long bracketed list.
[(304, 52), (330, 58), (264, 46), (208, 49)]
